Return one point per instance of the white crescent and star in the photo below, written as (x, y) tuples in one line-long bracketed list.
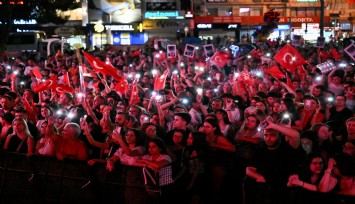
[(96, 65), (291, 60)]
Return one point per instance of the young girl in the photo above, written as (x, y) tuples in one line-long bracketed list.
[(158, 160)]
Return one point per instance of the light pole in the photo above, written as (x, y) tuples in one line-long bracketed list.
[(321, 22)]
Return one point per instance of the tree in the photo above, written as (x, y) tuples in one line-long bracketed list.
[(43, 11)]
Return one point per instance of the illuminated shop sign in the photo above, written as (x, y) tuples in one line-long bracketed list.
[(204, 26), (119, 27), (233, 26), (164, 14), (24, 22)]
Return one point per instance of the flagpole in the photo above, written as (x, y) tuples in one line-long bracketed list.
[(81, 74)]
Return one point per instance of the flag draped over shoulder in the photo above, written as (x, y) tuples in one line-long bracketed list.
[(48, 84), (289, 58), (102, 67), (220, 58), (275, 72)]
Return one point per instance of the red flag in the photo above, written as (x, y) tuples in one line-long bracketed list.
[(289, 58), (255, 53), (37, 73), (289, 83), (351, 1), (275, 72), (134, 96), (32, 116), (159, 81), (48, 84), (135, 53), (301, 71), (60, 88), (220, 58), (102, 67), (121, 86), (323, 54), (335, 54), (66, 79)]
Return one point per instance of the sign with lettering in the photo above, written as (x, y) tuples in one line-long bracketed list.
[(164, 15), (224, 26), (166, 25), (120, 27), (204, 26)]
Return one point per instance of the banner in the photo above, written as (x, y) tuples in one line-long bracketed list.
[(350, 50), (326, 67), (189, 50)]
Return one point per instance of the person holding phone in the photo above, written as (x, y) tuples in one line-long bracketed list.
[(311, 113)]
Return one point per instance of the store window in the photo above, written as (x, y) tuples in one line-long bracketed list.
[(244, 12), (250, 12)]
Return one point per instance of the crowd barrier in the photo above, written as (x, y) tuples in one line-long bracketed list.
[(39, 179)]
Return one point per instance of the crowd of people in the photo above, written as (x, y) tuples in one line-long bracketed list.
[(207, 135)]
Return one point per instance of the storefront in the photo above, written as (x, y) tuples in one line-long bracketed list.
[(308, 27), (211, 27), (116, 34)]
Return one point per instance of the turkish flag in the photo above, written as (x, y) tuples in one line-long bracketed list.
[(275, 72), (48, 84), (32, 116), (102, 67), (134, 96), (289, 58), (121, 86), (289, 83), (220, 58), (60, 88), (159, 81), (335, 54), (351, 1), (37, 73)]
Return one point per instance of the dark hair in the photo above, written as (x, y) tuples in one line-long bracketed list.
[(160, 143), (138, 134), (185, 116), (290, 105), (225, 115), (199, 144), (345, 164), (214, 124), (8, 117), (183, 135)]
